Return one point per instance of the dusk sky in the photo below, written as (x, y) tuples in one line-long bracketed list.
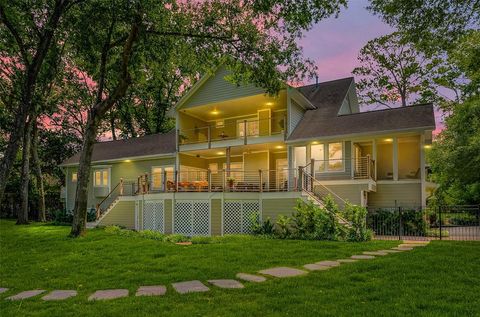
[(335, 42)]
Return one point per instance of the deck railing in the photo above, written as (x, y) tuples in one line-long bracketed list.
[(353, 168), (242, 129)]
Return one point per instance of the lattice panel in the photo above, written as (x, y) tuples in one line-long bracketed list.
[(153, 216), (183, 218), (201, 218), (250, 213), (238, 216), (232, 217)]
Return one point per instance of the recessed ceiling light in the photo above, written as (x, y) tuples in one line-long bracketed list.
[(269, 103), (427, 146), (315, 142), (220, 153), (214, 112), (279, 147), (388, 140), (127, 161)]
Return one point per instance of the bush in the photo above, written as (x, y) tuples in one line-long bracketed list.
[(283, 226), (62, 217), (435, 233), (357, 216), (266, 227)]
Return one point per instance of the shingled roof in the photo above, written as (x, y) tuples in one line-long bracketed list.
[(325, 121), (149, 145)]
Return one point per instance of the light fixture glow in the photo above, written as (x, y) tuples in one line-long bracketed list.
[(279, 147), (388, 140), (220, 153), (427, 146), (315, 142), (127, 161), (214, 112), (269, 104)]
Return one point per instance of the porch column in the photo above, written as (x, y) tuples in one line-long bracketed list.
[(227, 151), (422, 170), (395, 159)]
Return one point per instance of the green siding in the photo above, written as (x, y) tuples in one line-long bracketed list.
[(168, 215), (391, 195), (216, 217), (122, 214), (350, 192), (217, 89), (272, 208)]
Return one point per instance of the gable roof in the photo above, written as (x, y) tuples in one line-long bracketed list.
[(325, 121), (145, 146)]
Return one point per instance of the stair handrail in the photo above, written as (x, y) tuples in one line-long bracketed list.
[(98, 210)]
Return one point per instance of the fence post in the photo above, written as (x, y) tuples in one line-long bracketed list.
[(121, 186), (440, 220), (400, 227), (260, 176), (312, 172)]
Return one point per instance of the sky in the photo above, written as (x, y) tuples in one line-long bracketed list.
[(334, 43)]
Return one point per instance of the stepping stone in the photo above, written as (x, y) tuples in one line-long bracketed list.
[(26, 294), (226, 283), (328, 263), (154, 290), (362, 257), (108, 294), (190, 287), (347, 260), (251, 277), (316, 267), (3, 290), (283, 272), (390, 251), (402, 249), (59, 295), (375, 253)]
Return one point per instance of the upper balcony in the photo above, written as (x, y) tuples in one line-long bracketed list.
[(248, 120)]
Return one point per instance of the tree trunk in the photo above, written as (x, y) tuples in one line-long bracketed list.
[(112, 125), (38, 174), (81, 195), (22, 217)]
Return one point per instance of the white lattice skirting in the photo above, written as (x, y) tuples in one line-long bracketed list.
[(192, 218), (238, 216), (154, 216)]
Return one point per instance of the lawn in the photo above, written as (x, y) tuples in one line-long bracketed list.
[(440, 279)]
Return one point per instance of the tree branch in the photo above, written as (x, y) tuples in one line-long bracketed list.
[(15, 34)]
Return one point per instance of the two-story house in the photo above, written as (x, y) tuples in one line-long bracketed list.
[(237, 153)]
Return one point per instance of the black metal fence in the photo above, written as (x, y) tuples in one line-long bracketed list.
[(417, 223)]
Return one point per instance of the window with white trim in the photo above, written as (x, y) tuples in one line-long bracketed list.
[(74, 177), (328, 156), (100, 178)]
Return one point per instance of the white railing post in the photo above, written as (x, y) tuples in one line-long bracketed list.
[(260, 177), (300, 179), (209, 180)]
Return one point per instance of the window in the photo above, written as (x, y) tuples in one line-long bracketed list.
[(235, 170), (252, 128), (318, 154), (74, 177), (101, 178), (219, 123), (335, 156), (157, 177), (213, 167)]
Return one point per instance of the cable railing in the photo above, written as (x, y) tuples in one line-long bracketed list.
[(351, 168), (241, 129)]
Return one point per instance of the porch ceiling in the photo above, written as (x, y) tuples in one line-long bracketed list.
[(239, 150), (237, 107)]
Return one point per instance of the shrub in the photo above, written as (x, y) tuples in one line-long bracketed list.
[(435, 232), (326, 222), (147, 234), (262, 228), (175, 238), (62, 217), (357, 216), (304, 219), (283, 226), (150, 234)]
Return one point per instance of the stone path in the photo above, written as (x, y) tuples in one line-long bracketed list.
[(154, 290), (190, 287), (108, 294), (59, 295), (197, 286)]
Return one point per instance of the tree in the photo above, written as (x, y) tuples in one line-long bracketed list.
[(256, 39), (445, 29), (455, 156), (27, 32), (393, 71)]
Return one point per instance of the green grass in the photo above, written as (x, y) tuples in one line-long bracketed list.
[(440, 279)]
